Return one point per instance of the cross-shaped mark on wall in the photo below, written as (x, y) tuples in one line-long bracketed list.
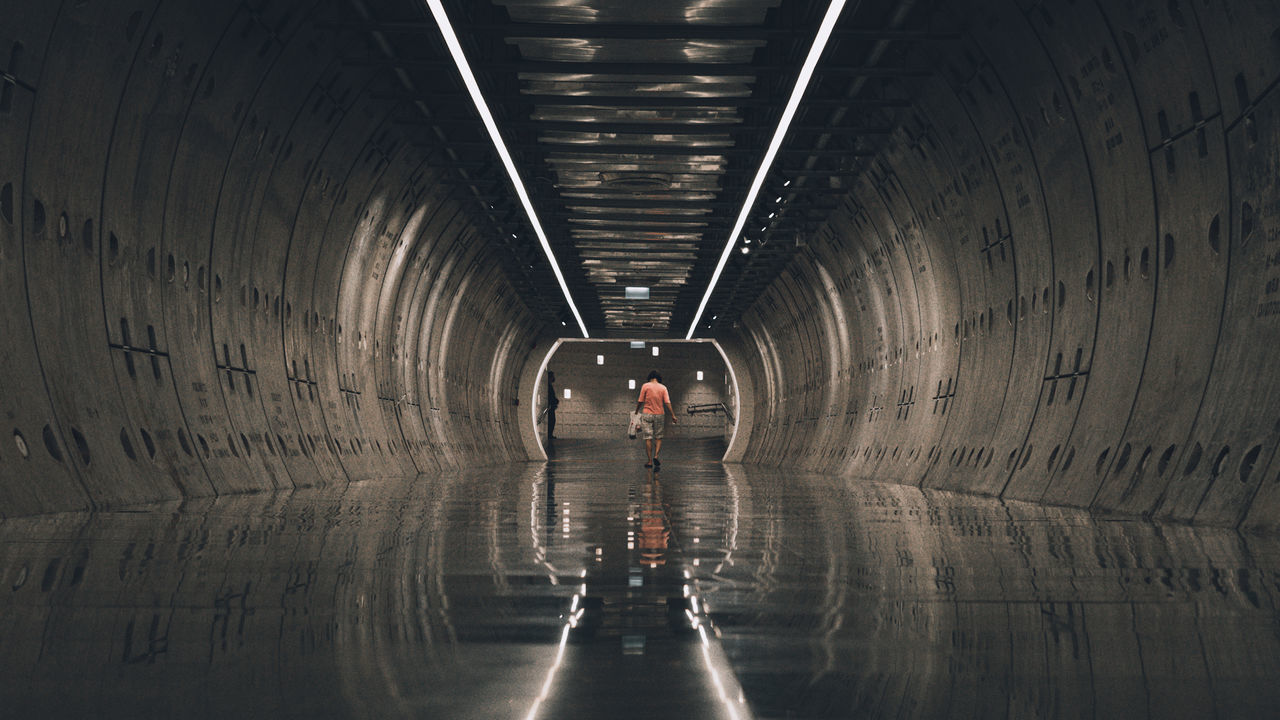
[(1071, 376), (905, 401), (126, 345), (241, 370), (274, 35), (990, 248), (9, 82), (157, 641), (942, 398), (1168, 137), (1061, 622), (348, 389), (303, 380), (874, 411)]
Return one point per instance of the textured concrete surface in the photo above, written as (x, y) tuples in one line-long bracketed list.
[(1059, 283), (224, 269)]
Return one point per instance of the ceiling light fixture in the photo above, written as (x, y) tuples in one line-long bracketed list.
[(784, 123), (469, 79)]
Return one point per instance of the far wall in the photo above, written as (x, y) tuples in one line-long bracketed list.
[(600, 399)]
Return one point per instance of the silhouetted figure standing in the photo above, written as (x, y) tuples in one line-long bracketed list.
[(653, 405), (552, 403)]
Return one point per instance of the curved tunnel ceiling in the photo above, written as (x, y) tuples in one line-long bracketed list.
[(1017, 248), (638, 129)]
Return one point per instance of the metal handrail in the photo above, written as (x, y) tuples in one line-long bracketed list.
[(710, 408)]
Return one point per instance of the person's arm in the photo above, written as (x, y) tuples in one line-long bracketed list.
[(640, 400), (667, 402)]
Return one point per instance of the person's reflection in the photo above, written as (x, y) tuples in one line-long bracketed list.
[(654, 532), (550, 520)]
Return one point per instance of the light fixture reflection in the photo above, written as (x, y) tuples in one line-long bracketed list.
[(726, 686), (784, 123), (551, 673), (469, 79)]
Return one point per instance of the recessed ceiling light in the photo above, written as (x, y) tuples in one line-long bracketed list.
[(784, 123)]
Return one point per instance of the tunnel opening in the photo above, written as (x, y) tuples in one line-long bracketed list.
[(596, 383)]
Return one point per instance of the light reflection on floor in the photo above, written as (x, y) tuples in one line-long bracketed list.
[(589, 587)]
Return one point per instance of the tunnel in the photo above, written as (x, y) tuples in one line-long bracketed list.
[(982, 298)]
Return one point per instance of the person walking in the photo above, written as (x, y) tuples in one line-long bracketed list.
[(552, 403), (654, 403)]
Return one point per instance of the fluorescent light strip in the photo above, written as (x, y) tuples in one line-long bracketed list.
[(469, 79), (784, 123)]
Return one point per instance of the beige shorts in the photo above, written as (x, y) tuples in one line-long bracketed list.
[(651, 426)]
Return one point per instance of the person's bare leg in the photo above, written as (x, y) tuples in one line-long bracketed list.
[(648, 448), (657, 447)]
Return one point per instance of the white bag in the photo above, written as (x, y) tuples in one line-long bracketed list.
[(634, 426)]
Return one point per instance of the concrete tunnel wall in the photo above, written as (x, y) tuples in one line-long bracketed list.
[(222, 268), (1059, 281)]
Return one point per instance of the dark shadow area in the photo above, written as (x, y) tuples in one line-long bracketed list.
[(589, 587)]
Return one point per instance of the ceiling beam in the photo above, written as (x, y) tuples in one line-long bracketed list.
[(655, 128), (677, 69), (643, 31), (643, 101), (554, 150), (687, 101)]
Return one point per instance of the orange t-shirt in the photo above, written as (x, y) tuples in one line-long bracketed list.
[(655, 398)]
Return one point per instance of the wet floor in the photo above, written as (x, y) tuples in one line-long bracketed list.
[(589, 587)]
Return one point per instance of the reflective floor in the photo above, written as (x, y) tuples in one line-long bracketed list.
[(589, 587)]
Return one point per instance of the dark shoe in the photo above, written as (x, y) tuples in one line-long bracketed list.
[(648, 464), (657, 463)]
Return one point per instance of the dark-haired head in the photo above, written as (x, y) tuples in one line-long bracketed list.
[(653, 375)]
